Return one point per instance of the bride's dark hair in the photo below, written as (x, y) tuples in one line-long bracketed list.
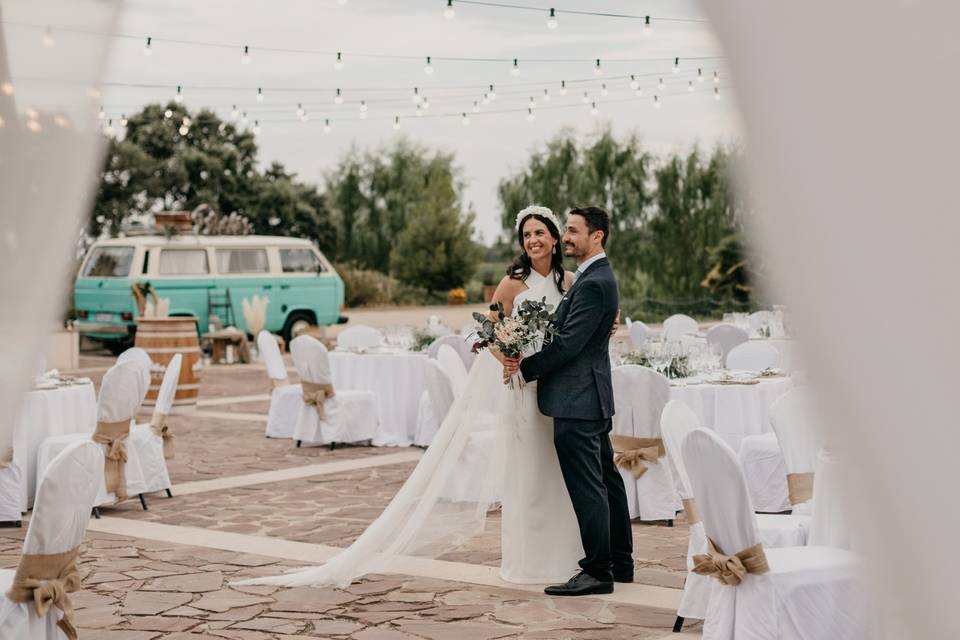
[(522, 265)]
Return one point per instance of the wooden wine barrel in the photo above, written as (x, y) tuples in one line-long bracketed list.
[(161, 338)]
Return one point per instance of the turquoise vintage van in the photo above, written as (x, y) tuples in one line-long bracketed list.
[(204, 276)]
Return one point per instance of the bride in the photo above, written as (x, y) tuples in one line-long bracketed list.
[(428, 517)]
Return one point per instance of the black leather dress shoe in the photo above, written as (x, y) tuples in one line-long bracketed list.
[(582, 584)]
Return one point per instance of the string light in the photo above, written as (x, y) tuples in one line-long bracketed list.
[(184, 129), (586, 98), (493, 94), (419, 111), (32, 113), (546, 95), (148, 48), (449, 13), (700, 77), (428, 68), (552, 20), (532, 104), (304, 117), (634, 84), (363, 115), (563, 87), (102, 114), (260, 95), (234, 113), (639, 93), (594, 111), (597, 69), (107, 129), (245, 57), (256, 127), (416, 96), (60, 119), (34, 126), (396, 123), (530, 116), (515, 71), (464, 120), (338, 65), (363, 106), (716, 77), (716, 93), (603, 90), (47, 39), (426, 103), (167, 114), (661, 84), (486, 98), (647, 27), (244, 120), (676, 66), (656, 102), (326, 126), (476, 107), (338, 99), (690, 86), (7, 89), (300, 110), (178, 98)]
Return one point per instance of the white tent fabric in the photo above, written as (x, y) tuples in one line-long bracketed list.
[(148, 444), (459, 343), (766, 472), (121, 394), (753, 356), (349, 416), (775, 530), (60, 516), (454, 367), (727, 336), (638, 334), (286, 400), (358, 337), (808, 593), (679, 325), (640, 394)]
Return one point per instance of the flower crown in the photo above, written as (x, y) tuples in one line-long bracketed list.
[(543, 212)]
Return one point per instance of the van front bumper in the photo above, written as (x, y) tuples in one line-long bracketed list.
[(105, 329)]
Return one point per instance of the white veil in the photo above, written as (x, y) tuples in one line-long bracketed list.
[(421, 520)]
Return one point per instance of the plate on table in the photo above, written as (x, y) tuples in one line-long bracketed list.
[(45, 385)]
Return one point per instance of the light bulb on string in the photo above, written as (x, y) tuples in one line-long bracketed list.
[(676, 66), (639, 93), (700, 77), (123, 120), (476, 107), (31, 113), (35, 127), (563, 87), (656, 102), (603, 90), (167, 114), (661, 84), (597, 69), (428, 68), (326, 126), (546, 95), (426, 103), (363, 106), (532, 104), (338, 64), (260, 96), (493, 94), (416, 98), (178, 98), (234, 113), (363, 115), (47, 39), (594, 111), (716, 93), (530, 116), (419, 111), (300, 109), (515, 70), (716, 77), (396, 123), (338, 98), (186, 121), (552, 20), (148, 48), (244, 119), (256, 127), (245, 57), (634, 84), (449, 13), (464, 120), (184, 129), (486, 98), (107, 130), (586, 98), (103, 114), (61, 121), (304, 117), (690, 86), (647, 27)]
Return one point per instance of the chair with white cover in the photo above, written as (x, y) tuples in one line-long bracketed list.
[(783, 593), (793, 420), (357, 337), (439, 391), (122, 391), (136, 354), (727, 336), (11, 490), (678, 325), (35, 604), (766, 472), (453, 365), (640, 395), (286, 399), (328, 416), (677, 421), (638, 334), (153, 440), (459, 343), (759, 320), (753, 356)]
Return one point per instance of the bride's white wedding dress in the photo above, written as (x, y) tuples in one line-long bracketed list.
[(540, 539)]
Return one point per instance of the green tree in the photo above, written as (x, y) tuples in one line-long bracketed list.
[(435, 250)]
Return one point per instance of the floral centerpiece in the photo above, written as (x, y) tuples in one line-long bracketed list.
[(677, 367), (515, 335)]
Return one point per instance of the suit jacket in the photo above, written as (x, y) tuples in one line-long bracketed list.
[(573, 370)]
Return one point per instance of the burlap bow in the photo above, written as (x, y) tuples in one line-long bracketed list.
[(158, 424), (730, 570), (631, 454), (47, 581), (690, 509), (279, 382), (316, 394), (6, 457), (114, 435), (799, 487)]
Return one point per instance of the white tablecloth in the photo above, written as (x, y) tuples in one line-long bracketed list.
[(52, 412), (830, 526), (734, 410), (397, 381)]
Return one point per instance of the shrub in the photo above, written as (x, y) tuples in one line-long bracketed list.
[(364, 287)]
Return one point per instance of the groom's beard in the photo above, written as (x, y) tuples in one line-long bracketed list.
[(571, 251)]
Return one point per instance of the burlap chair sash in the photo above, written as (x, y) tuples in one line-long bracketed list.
[(6, 457), (632, 454), (690, 509), (799, 487), (316, 394), (114, 435), (47, 581), (158, 424), (730, 570), (282, 382)]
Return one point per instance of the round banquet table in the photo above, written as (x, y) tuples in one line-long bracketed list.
[(49, 412), (732, 410), (397, 381)]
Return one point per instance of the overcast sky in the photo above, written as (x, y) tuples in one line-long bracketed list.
[(493, 145)]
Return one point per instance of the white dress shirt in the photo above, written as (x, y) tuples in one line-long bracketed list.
[(585, 264)]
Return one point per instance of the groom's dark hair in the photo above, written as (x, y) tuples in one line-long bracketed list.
[(597, 220)]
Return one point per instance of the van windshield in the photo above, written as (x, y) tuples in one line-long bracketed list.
[(109, 262)]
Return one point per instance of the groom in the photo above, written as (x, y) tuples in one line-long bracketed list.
[(576, 390)]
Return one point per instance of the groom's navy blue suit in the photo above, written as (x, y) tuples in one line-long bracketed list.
[(574, 387)]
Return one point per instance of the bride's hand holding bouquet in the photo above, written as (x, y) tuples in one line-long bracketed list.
[(512, 336)]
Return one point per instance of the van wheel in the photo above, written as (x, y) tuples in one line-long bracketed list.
[(297, 322)]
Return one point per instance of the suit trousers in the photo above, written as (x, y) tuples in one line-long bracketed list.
[(598, 495)]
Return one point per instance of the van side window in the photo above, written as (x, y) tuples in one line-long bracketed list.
[(109, 262), (299, 261), (242, 261), (146, 261), (183, 262)]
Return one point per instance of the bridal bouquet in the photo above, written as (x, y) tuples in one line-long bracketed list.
[(515, 335)]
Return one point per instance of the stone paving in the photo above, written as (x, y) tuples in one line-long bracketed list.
[(139, 589)]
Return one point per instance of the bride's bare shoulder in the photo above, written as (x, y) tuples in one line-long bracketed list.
[(508, 289)]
